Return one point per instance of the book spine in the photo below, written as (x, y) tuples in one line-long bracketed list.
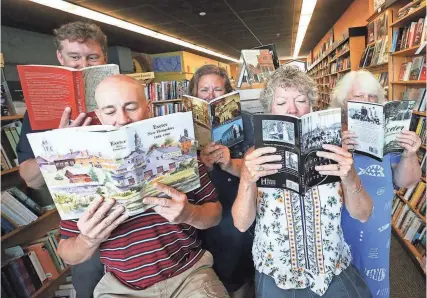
[(79, 92), (19, 279), (6, 225), (32, 273), (6, 285), (17, 206), (11, 140), (37, 266), (30, 287), (27, 201), (6, 210), (16, 287)]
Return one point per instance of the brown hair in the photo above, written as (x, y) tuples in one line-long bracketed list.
[(81, 32), (206, 70)]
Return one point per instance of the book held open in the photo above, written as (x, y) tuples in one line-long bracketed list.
[(83, 163)]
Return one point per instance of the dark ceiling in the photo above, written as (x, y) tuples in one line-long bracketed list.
[(228, 27)]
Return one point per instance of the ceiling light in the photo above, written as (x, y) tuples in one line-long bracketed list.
[(103, 18), (305, 17), (202, 13)]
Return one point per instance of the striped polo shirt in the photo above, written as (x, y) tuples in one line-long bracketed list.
[(147, 248)]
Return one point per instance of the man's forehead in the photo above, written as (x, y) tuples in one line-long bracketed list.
[(79, 45)]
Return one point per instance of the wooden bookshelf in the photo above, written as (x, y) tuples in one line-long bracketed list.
[(343, 53), (37, 229), (416, 254), (408, 52), (376, 67), (12, 117), (166, 101), (412, 16), (49, 288), (15, 169), (409, 82), (424, 114), (422, 217)]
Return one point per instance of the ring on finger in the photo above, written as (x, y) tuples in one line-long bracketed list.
[(338, 167), (260, 168)]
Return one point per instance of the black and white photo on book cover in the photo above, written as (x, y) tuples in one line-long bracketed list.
[(377, 126), (297, 140)]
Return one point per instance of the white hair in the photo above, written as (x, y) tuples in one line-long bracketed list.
[(367, 81)]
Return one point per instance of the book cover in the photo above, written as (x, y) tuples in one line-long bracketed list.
[(422, 76), (417, 64), (44, 258), (407, 71), (411, 36), (383, 56), (394, 40), (377, 126), (419, 32), (381, 27), (371, 32), (298, 140), (84, 163), (377, 50), (258, 64), (49, 89), (402, 71), (219, 120), (369, 56)]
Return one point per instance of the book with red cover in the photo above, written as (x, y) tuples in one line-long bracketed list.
[(48, 90), (45, 260), (423, 73), (402, 71)]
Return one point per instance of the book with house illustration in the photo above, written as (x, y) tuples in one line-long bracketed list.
[(255, 66), (377, 126), (49, 89), (81, 164), (219, 120), (297, 140)]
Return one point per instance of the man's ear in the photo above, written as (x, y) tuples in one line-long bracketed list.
[(98, 114), (150, 109), (60, 58)]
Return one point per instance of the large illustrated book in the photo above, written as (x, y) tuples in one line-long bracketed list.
[(219, 120), (377, 126), (297, 140), (81, 164), (49, 89)]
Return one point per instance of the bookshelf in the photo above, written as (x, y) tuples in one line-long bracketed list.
[(15, 169), (340, 58), (11, 118), (49, 288)]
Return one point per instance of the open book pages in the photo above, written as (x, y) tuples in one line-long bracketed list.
[(81, 164), (218, 121)]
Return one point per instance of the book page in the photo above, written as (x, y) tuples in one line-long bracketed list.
[(120, 164), (366, 120), (226, 119), (397, 118), (47, 91), (282, 133), (91, 77), (201, 118), (318, 128)]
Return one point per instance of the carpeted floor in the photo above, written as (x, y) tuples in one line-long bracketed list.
[(406, 281)]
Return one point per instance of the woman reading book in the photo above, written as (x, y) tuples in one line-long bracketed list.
[(299, 249), (231, 249), (372, 238)]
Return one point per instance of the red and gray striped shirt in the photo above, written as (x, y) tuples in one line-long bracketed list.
[(147, 248)]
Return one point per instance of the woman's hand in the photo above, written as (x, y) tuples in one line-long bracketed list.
[(349, 142), (215, 153), (409, 141), (256, 165), (341, 156)]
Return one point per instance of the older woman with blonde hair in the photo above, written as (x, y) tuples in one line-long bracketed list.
[(299, 249), (370, 241)]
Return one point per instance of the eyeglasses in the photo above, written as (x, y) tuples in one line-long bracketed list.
[(369, 97)]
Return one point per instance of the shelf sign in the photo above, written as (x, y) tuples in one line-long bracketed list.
[(142, 76)]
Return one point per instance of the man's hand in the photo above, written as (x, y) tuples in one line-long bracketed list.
[(215, 153), (81, 120), (95, 225), (176, 210), (410, 142)]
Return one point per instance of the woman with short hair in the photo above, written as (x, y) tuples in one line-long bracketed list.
[(299, 249), (370, 241)]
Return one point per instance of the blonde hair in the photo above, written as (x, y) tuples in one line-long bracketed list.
[(367, 81), (288, 77)]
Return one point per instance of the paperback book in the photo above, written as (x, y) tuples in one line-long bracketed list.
[(377, 126), (49, 89), (81, 164), (219, 120), (297, 140)]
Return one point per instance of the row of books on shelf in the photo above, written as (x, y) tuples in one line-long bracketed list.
[(382, 78), (408, 8), (421, 154), (343, 48), (418, 125), (414, 70), (409, 36), (415, 196), (10, 134), (17, 209), (375, 54), (166, 90), (410, 226), (29, 267), (417, 94), (167, 108)]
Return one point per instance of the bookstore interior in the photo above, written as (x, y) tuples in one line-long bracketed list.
[(56, 86)]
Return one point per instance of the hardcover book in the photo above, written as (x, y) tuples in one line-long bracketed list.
[(377, 126), (219, 120), (49, 89), (84, 163), (297, 140), (416, 67)]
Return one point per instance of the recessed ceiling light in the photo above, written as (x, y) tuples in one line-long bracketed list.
[(100, 17), (202, 13)]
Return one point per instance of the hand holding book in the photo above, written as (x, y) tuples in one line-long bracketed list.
[(338, 154), (215, 153), (81, 119), (409, 141), (258, 164)]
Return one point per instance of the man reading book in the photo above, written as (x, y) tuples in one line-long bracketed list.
[(155, 253), (78, 45)]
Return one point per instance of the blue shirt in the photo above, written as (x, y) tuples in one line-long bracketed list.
[(370, 242)]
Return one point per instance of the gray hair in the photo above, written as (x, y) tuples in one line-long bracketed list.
[(364, 78), (288, 77)]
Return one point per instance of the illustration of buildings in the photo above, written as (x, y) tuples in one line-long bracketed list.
[(66, 160), (86, 159), (201, 114), (186, 143), (265, 62), (228, 110), (233, 133), (78, 175)]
